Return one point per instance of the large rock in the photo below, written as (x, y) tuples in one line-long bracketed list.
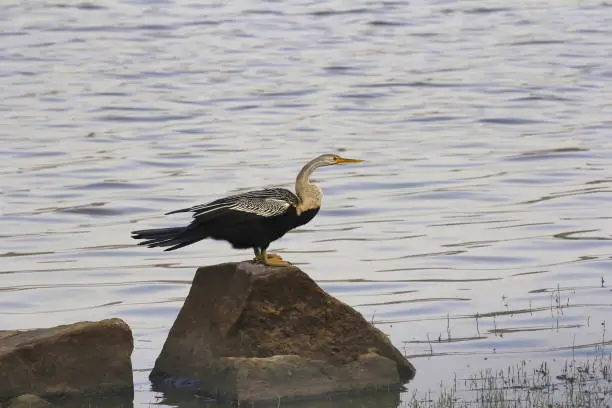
[(250, 332), (79, 359)]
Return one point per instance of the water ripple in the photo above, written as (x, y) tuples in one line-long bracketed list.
[(479, 225)]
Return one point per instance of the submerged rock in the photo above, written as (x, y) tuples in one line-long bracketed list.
[(252, 332), (29, 401), (77, 359)]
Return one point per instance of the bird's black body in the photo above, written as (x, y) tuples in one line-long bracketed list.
[(257, 232), (227, 220)]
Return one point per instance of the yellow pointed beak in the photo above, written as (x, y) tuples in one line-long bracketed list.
[(343, 160)]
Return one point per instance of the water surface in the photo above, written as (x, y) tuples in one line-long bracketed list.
[(478, 232)]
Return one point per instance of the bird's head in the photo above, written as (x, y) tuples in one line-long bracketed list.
[(331, 159), (323, 160)]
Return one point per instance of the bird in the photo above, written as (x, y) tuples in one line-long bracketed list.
[(252, 219)]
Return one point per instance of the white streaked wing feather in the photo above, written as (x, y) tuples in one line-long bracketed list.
[(265, 207), (266, 203)]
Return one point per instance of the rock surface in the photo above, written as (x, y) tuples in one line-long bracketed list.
[(251, 332), (77, 359)]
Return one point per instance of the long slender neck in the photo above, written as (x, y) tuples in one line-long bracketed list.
[(302, 182), (309, 194)]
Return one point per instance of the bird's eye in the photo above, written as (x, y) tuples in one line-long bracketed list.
[(336, 158)]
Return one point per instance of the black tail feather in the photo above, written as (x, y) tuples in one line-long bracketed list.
[(157, 233), (178, 211), (176, 237)]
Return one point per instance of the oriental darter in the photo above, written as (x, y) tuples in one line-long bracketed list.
[(248, 220)]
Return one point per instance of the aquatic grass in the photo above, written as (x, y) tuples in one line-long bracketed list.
[(579, 384)]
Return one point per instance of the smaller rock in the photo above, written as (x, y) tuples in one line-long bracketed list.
[(29, 401), (84, 358)]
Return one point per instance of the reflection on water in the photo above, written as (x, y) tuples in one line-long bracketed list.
[(379, 399), (478, 231), (106, 401)]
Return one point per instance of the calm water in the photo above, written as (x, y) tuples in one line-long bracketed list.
[(477, 234)]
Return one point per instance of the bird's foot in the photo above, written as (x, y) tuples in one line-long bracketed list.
[(271, 259), (273, 256), (275, 260)]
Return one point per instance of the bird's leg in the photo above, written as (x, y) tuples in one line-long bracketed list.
[(258, 257), (272, 259)]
